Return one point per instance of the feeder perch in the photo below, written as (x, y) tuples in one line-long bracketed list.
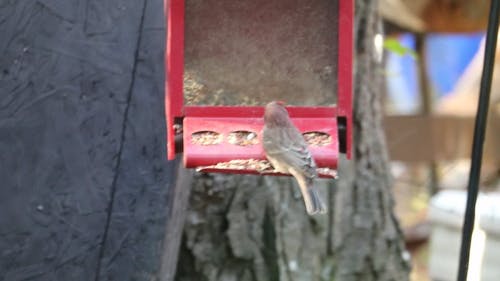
[(228, 139)]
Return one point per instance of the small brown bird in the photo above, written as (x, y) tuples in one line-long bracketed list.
[(287, 151)]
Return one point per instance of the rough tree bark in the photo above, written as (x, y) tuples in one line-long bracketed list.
[(84, 177), (368, 240), (250, 228)]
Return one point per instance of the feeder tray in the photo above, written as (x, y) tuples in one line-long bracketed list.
[(228, 139), (233, 142)]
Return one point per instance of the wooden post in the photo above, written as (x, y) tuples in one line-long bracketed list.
[(179, 197)]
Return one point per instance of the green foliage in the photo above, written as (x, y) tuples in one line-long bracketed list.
[(394, 46)]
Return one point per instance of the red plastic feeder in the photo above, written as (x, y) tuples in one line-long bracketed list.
[(228, 138)]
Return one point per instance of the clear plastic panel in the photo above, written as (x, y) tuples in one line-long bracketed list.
[(253, 52)]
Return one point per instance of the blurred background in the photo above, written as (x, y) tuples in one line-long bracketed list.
[(433, 64)]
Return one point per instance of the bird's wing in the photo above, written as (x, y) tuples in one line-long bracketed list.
[(291, 148)]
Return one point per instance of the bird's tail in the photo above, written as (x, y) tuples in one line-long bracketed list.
[(317, 206), (313, 202)]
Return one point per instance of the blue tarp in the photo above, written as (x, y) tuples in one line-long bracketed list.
[(447, 55)]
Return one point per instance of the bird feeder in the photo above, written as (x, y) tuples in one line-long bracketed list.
[(264, 47)]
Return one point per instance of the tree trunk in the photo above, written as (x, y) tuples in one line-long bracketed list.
[(368, 240), (251, 228), (84, 177)]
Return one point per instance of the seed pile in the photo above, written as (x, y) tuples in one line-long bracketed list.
[(242, 138), (206, 138), (317, 138), (261, 166)]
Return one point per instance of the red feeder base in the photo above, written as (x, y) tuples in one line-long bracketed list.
[(229, 139)]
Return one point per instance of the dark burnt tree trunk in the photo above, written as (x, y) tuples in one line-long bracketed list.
[(84, 177), (250, 228)]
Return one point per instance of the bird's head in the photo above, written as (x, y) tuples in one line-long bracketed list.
[(276, 114)]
